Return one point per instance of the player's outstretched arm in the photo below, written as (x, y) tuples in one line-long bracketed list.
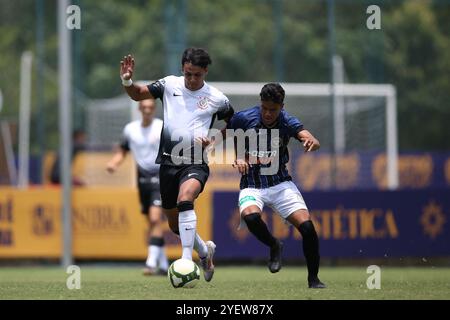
[(116, 161), (310, 143), (137, 93)]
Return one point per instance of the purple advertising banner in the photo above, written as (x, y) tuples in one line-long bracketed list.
[(358, 224), (368, 170)]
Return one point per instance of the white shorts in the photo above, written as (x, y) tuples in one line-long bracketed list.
[(284, 199)]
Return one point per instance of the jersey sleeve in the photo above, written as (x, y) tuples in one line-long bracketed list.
[(125, 142), (294, 126), (157, 88), (225, 111), (236, 122)]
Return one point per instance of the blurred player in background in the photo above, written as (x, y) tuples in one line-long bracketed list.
[(190, 108), (276, 190), (142, 138)]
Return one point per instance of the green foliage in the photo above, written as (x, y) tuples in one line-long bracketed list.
[(411, 51), (239, 38), (418, 63)]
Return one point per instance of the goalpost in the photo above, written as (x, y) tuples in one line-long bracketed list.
[(373, 104)]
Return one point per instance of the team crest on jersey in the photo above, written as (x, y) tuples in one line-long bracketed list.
[(202, 103)]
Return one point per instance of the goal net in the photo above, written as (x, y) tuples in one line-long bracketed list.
[(105, 120)]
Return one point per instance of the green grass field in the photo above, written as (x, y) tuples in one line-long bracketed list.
[(229, 283)]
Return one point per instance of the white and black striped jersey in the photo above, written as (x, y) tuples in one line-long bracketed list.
[(187, 115), (143, 143)]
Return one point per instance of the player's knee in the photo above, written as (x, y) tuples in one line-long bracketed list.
[(189, 192), (252, 218), (186, 197), (307, 229), (154, 221), (155, 218), (185, 206)]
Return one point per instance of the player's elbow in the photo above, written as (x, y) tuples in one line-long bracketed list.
[(133, 95), (229, 115)]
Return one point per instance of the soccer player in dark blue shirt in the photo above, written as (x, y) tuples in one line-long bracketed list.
[(275, 189)]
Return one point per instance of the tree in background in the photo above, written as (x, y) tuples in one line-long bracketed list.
[(411, 51)]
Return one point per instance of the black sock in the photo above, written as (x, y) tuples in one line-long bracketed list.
[(257, 226), (156, 241), (310, 248)]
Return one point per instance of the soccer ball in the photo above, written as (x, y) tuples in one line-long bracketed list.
[(183, 273)]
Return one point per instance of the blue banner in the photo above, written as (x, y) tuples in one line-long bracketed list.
[(360, 224)]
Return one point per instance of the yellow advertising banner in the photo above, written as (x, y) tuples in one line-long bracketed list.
[(106, 222), (30, 223)]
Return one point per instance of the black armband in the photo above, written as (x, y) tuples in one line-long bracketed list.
[(226, 114)]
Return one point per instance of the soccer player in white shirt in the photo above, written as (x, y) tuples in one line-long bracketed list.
[(190, 108), (141, 137)]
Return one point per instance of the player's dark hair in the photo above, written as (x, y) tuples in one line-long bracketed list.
[(272, 92), (197, 56)]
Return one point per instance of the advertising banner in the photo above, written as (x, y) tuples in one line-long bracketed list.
[(359, 224), (106, 224)]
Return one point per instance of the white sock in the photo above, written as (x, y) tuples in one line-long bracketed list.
[(153, 254), (162, 259), (200, 246), (187, 225)]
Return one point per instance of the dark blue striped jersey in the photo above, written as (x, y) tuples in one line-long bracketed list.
[(275, 143)]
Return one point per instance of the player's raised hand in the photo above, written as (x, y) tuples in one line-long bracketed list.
[(127, 67), (241, 165)]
